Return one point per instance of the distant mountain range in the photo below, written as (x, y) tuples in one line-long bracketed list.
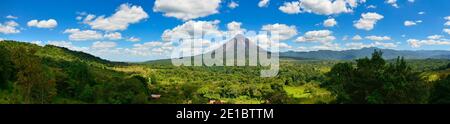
[(242, 42), (367, 52)]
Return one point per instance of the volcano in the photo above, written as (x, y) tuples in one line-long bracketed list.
[(238, 51)]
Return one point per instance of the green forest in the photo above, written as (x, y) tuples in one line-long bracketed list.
[(32, 74)]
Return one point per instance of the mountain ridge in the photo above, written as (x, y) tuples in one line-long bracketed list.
[(366, 52)]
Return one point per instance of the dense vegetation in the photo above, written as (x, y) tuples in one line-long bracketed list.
[(35, 74)]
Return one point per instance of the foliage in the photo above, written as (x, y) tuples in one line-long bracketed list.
[(373, 81)]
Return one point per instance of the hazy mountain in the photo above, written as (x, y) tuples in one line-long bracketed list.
[(361, 53)]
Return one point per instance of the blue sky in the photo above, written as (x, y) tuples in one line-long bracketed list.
[(303, 23)]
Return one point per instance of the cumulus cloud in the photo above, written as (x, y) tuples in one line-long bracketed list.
[(37, 42), (234, 28), (392, 3), (103, 45), (150, 48), (233, 5), (435, 37), (447, 31), (326, 46), (284, 31), (9, 27), (11, 17), (290, 7), (67, 45), (360, 45), (263, 3), (133, 39), (265, 42), (321, 36), (192, 29), (411, 23), (448, 21), (321, 7), (368, 21), (357, 38), (371, 7), (125, 15), (329, 22), (82, 35), (113, 36), (378, 38), (431, 40), (51, 23), (187, 9), (421, 13)]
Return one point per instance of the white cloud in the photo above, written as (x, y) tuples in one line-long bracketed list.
[(435, 37), (234, 28), (357, 38), (421, 13), (431, 40), (79, 18), (321, 36), (290, 7), (11, 17), (67, 45), (415, 43), (150, 48), (321, 7), (9, 27), (187, 9), (103, 45), (113, 36), (133, 39), (447, 31), (368, 21), (411, 23), (326, 46), (37, 42), (192, 29), (284, 31), (233, 5), (263, 3), (329, 22), (393, 3), (125, 15), (448, 21), (82, 35), (411, 1), (371, 7), (378, 38), (265, 42), (360, 45), (51, 23)]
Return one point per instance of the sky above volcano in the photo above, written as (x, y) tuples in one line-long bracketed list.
[(128, 30)]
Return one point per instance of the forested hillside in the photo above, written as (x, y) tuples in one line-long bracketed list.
[(50, 74)]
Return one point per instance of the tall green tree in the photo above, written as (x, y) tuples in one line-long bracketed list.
[(6, 67), (441, 92), (375, 82)]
